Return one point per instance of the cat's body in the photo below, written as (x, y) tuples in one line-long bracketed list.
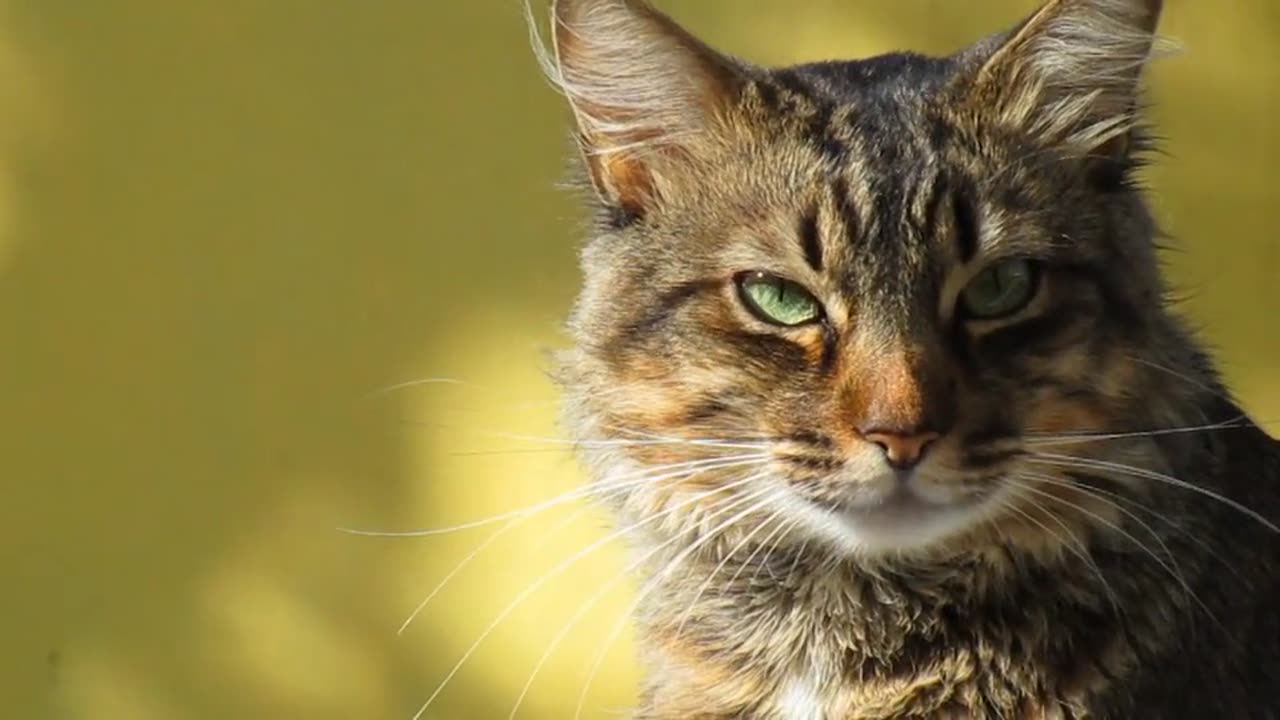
[(874, 364), (990, 635)]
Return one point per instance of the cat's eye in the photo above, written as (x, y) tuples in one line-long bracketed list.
[(778, 301), (1000, 290)]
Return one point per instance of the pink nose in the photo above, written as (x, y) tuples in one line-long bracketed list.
[(901, 450)]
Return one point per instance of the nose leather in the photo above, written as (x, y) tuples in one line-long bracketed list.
[(902, 450)]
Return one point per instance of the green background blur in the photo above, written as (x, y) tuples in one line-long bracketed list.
[(225, 224)]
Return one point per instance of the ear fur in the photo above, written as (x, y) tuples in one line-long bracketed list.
[(1070, 74), (641, 88)]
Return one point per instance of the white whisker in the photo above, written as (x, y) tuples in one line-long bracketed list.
[(703, 465), (1172, 524), (1075, 461), (748, 443), (1077, 548), (706, 583), (779, 533), (649, 586), (1067, 438), (583, 609), (1170, 567), (795, 562), (411, 384), (462, 565), (631, 567), (519, 599), (1184, 377)]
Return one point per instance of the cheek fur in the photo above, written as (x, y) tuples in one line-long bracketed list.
[(1082, 393)]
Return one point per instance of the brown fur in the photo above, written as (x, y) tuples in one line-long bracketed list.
[(1092, 535)]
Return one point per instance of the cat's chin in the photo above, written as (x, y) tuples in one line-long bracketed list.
[(902, 522)]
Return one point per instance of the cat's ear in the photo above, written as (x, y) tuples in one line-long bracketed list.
[(642, 90), (1070, 74)]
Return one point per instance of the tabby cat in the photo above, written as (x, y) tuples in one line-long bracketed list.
[(876, 367)]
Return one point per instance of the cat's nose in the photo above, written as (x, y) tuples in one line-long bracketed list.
[(902, 450)]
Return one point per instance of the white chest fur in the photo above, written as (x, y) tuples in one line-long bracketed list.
[(800, 699)]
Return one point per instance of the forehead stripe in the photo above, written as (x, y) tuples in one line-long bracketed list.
[(966, 220), (810, 239)]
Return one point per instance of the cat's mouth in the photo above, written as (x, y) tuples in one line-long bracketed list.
[(902, 503), (905, 517)]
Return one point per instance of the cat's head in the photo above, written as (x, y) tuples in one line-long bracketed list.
[(852, 298)]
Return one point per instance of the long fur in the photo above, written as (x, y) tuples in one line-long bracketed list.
[(1102, 532)]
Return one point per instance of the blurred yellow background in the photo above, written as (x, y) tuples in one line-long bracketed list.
[(225, 225)]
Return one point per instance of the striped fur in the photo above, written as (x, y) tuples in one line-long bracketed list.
[(1093, 535)]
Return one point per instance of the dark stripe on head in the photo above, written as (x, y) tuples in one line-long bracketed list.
[(793, 83), (768, 95), (784, 93), (940, 136), (801, 98), (662, 309), (823, 135), (965, 216), (810, 240)]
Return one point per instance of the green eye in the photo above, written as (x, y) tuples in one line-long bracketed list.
[(778, 301), (1001, 290)]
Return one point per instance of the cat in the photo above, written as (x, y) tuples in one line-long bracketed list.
[(876, 368)]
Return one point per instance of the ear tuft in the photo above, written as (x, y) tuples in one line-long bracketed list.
[(1071, 73), (641, 89)]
